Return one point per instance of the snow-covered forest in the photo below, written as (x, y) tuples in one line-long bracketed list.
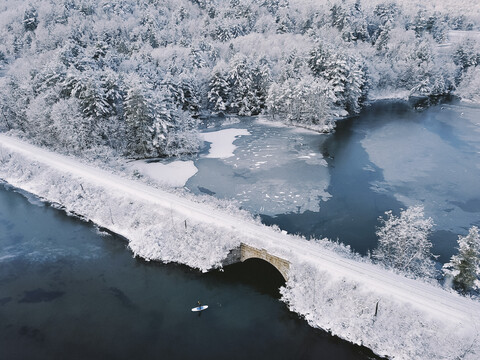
[(132, 77)]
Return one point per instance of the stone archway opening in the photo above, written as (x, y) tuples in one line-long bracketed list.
[(257, 273)]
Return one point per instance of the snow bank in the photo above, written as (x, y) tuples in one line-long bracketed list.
[(333, 292), (392, 94), (347, 308)]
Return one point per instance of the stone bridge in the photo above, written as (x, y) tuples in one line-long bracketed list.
[(245, 252)]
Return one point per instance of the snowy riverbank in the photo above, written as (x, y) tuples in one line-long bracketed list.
[(414, 321)]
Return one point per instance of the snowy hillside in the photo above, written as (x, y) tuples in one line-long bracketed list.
[(131, 77)]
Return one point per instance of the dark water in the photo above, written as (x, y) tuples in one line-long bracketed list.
[(351, 215), (67, 292), (391, 157)]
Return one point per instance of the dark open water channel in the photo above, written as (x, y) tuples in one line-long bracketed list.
[(67, 292)]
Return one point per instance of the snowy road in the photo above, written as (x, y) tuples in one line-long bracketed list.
[(427, 302)]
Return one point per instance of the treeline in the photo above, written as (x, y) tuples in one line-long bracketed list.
[(133, 76)]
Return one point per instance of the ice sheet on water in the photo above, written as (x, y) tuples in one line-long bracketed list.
[(275, 170), (221, 142), (431, 164)]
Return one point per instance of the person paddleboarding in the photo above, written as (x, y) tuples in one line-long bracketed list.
[(200, 307)]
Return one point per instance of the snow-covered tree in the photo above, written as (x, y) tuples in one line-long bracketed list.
[(139, 112), (421, 72), (183, 139), (469, 86), (305, 101), (84, 50), (72, 129), (196, 58), (218, 94), (339, 16), (248, 85), (429, 23), (387, 13), (154, 125), (345, 74), (182, 89), (403, 243), (14, 100), (30, 19), (39, 123), (463, 270), (284, 22), (467, 54), (350, 21)]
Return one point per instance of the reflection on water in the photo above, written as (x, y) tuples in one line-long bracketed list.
[(68, 293)]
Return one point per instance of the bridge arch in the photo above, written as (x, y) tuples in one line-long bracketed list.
[(245, 252), (249, 252)]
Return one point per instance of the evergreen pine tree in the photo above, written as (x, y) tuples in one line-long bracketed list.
[(248, 81), (138, 113), (30, 19), (464, 268), (218, 92), (302, 101), (241, 82), (345, 75)]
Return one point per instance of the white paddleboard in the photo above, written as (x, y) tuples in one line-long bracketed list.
[(200, 308)]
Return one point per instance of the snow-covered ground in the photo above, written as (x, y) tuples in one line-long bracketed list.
[(173, 174), (334, 292), (375, 95), (456, 36), (177, 173)]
